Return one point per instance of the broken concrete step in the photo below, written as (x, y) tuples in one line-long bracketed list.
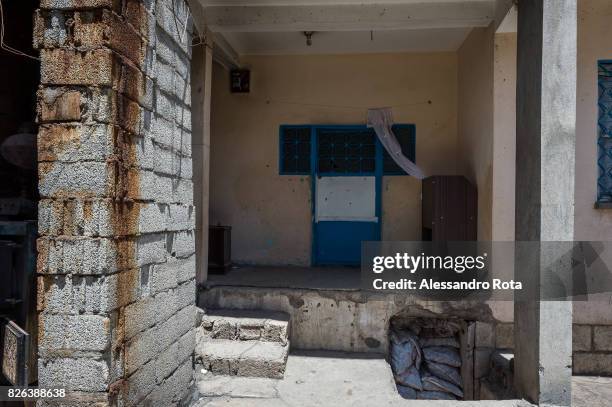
[(500, 381), (242, 358), (246, 325)]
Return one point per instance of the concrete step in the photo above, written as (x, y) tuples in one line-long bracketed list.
[(250, 358), (248, 343), (246, 325), (500, 382)]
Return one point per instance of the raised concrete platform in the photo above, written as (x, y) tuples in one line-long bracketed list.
[(327, 306)]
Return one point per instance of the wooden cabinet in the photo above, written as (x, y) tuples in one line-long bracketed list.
[(450, 207)]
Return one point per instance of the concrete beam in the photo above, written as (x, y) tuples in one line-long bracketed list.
[(350, 17), (545, 144), (224, 53), (502, 8)]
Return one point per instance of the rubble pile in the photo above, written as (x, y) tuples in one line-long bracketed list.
[(425, 359)]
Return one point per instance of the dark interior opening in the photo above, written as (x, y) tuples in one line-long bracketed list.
[(18, 191)]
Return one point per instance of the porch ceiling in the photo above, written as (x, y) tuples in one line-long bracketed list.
[(346, 26)]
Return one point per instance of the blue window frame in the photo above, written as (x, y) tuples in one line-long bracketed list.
[(344, 151), (295, 150), (339, 149), (604, 139)]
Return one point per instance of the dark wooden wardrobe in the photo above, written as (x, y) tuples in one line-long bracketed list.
[(450, 209)]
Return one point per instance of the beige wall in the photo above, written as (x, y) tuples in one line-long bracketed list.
[(504, 137), (271, 214), (475, 119), (594, 33)]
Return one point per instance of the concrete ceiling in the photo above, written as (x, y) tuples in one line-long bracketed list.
[(347, 42), (345, 26)]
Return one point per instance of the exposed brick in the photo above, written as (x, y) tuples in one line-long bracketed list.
[(74, 142), (79, 4), (186, 294), (69, 294), (182, 191), (95, 217), (73, 332), (183, 244), (143, 314), (50, 29), (180, 217), (602, 338), (59, 104), (163, 131), (163, 277), (185, 268), (171, 358), (174, 388), (597, 364), (504, 336), (73, 374), (97, 256), (76, 103), (67, 67), (125, 39), (138, 385), (116, 283), (131, 82), (137, 15), (581, 338)]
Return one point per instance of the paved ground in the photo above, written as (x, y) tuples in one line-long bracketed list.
[(591, 391), (322, 379)]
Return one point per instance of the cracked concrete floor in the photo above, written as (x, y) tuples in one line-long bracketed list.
[(322, 379)]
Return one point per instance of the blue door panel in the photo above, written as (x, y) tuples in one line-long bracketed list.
[(339, 242)]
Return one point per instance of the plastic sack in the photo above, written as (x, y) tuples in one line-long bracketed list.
[(445, 372), (407, 392), (429, 342), (433, 383), (434, 395), (411, 378), (405, 351), (442, 354)]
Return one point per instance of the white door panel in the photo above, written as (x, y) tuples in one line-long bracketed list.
[(350, 199)]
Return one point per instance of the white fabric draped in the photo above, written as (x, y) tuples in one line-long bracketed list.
[(381, 120)]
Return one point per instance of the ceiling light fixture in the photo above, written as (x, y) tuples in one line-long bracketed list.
[(308, 35)]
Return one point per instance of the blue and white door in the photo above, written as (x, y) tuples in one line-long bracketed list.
[(347, 179)]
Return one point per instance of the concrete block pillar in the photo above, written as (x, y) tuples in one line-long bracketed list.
[(116, 251), (545, 144)]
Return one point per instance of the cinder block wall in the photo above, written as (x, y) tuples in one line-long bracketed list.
[(591, 347), (116, 263)]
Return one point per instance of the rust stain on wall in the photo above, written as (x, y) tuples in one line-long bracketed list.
[(125, 213)]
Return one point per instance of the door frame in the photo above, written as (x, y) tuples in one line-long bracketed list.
[(314, 168)]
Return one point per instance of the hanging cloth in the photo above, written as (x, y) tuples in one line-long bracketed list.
[(381, 120)]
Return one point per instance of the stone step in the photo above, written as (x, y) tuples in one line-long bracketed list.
[(500, 381), (250, 358), (246, 325)]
